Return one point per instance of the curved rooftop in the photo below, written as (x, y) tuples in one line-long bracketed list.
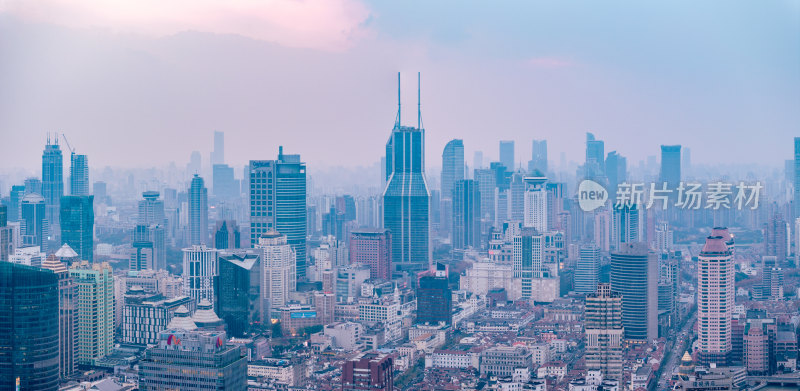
[(182, 320), (715, 244), (205, 313)]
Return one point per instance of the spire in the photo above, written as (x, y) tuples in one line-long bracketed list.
[(397, 121), (419, 102)]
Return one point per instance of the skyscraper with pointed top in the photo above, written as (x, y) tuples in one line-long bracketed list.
[(406, 198)]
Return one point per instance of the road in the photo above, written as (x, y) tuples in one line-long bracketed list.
[(676, 346)]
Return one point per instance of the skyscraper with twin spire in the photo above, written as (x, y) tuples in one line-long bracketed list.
[(406, 198)]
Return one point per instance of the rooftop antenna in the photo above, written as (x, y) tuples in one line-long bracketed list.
[(419, 102), (397, 122)]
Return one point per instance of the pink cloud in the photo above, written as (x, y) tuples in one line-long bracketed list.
[(332, 25)]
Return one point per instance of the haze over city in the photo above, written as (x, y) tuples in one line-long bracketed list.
[(363, 195), (157, 79)]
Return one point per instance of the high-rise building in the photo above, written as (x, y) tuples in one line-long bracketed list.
[(278, 270), (466, 230), (15, 202), (77, 225), (67, 322), (148, 248), (369, 371), (715, 299), (406, 197), (33, 185), (149, 237), (192, 360), (616, 172), (507, 154), (487, 183), (535, 215), (78, 175), (595, 157), (452, 172), (625, 225), (6, 235), (373, 247), (796, 201), (225, 186), (227, 235), (587, 269), (278, 202), (198, 212), (538, 156), (238, 291), (29, 335), (670, 166), (52, 180), (151, 209), (35, 227), (776, 238), (218, 154), (94, 311), (634, 275), (199, 269), (604, 332), (434, 297), (452, 166)]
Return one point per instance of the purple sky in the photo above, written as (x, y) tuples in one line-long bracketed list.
[(145, 84)]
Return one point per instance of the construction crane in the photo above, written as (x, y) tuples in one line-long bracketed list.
[(67, 142)]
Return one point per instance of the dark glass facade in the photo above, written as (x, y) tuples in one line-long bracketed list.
[(28, 327), (434, 300), (237, 292)]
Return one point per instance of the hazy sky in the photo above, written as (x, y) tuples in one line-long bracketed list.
[(138, 83)]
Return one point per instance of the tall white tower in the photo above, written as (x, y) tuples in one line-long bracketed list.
[(279, 270)]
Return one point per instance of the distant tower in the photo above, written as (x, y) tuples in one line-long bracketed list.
[(538, 156), (452, 172), (52, 180), (670, 166), (466, 230), (715, 298), (616, 172), (78, 175), (507, 154), (198, 212), (77, 225), (278, 202), (595, 157), (634, 275), (796, 202), (218, 154), (536, 202), (406, 197), (604, 332)]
